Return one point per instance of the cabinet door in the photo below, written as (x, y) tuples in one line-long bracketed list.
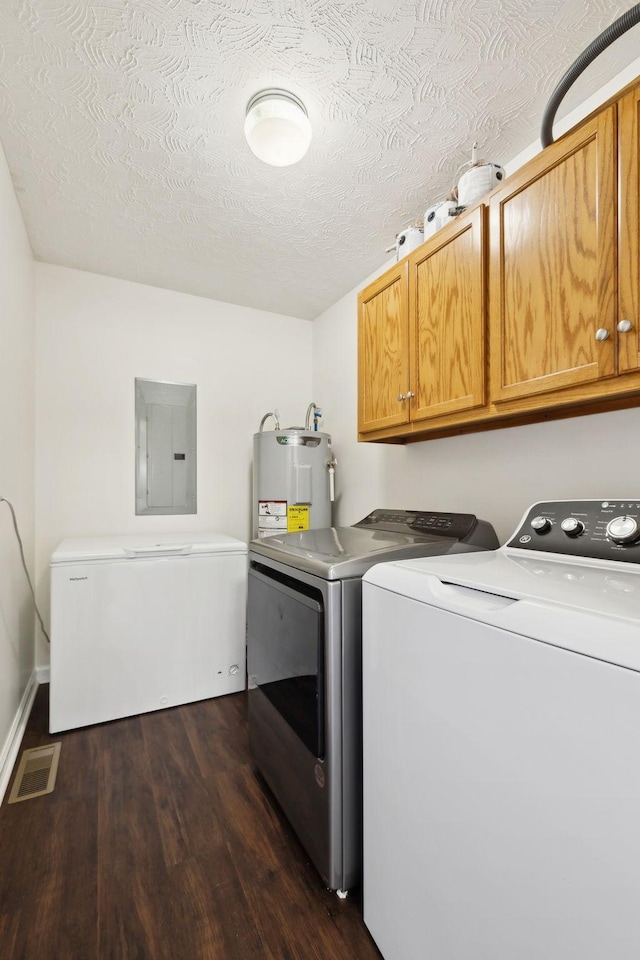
[(447, 302), (383, 362), (552, 281), (629, 225)]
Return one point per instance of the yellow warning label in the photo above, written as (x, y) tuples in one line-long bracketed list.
[(297, 518)]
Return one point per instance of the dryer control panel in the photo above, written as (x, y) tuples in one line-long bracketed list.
[(596, 529), (454, 525)]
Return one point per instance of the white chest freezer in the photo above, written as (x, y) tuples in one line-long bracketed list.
[(143, 622)]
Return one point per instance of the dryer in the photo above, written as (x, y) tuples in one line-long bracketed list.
[(304, 666), (501, 715)]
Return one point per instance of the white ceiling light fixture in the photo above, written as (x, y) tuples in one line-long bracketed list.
[(277, 127)]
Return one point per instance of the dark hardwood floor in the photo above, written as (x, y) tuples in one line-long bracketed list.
[(159, 842)]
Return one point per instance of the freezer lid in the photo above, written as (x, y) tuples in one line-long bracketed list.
[(150, 545)]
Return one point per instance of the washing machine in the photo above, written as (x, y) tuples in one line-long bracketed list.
[(501, 744)]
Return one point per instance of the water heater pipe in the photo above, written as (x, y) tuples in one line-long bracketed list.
[(310, 409), (331, 467), (266, 417)]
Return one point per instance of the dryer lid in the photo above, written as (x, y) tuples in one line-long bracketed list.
[(343, 552)]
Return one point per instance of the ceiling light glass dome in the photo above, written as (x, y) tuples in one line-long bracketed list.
[(277, 127)]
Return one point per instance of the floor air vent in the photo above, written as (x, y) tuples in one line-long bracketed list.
[(36, 773)]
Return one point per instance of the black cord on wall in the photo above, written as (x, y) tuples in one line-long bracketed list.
[(24, 564), (596, 47)]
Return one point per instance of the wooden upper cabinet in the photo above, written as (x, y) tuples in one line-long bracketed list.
[(553, 261), (383, 352), (447, 302), (629, 226), (550, 277)]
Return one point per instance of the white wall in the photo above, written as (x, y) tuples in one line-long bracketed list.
[(495, 474), (16, 452), (95, 335)]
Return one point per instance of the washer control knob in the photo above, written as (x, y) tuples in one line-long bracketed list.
[(541, 524), (623, 529), (572, 527)]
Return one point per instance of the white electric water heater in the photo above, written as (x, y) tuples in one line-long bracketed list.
[(293, 472)]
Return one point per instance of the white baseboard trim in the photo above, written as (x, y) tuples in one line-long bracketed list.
[(43, 674), (14, 738)]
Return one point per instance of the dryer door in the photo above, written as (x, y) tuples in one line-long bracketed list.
[(285, 651)]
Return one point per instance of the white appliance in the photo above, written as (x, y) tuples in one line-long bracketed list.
[(438, 216), (407, 240), (478, 181), (502, 743), (139, 623)]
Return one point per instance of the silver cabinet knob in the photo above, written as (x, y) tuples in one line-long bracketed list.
[(624, 326), (410, 395), (401, 396), (602, 334)]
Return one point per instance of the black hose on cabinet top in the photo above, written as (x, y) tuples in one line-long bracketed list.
[(596, 47)]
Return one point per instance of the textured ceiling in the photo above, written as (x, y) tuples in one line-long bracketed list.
[(122, 124)]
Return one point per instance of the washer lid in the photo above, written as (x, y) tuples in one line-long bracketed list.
[(593, 609), (150, 545), (606, 589)]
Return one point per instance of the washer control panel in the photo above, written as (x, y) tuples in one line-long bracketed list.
[(599, 529)]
